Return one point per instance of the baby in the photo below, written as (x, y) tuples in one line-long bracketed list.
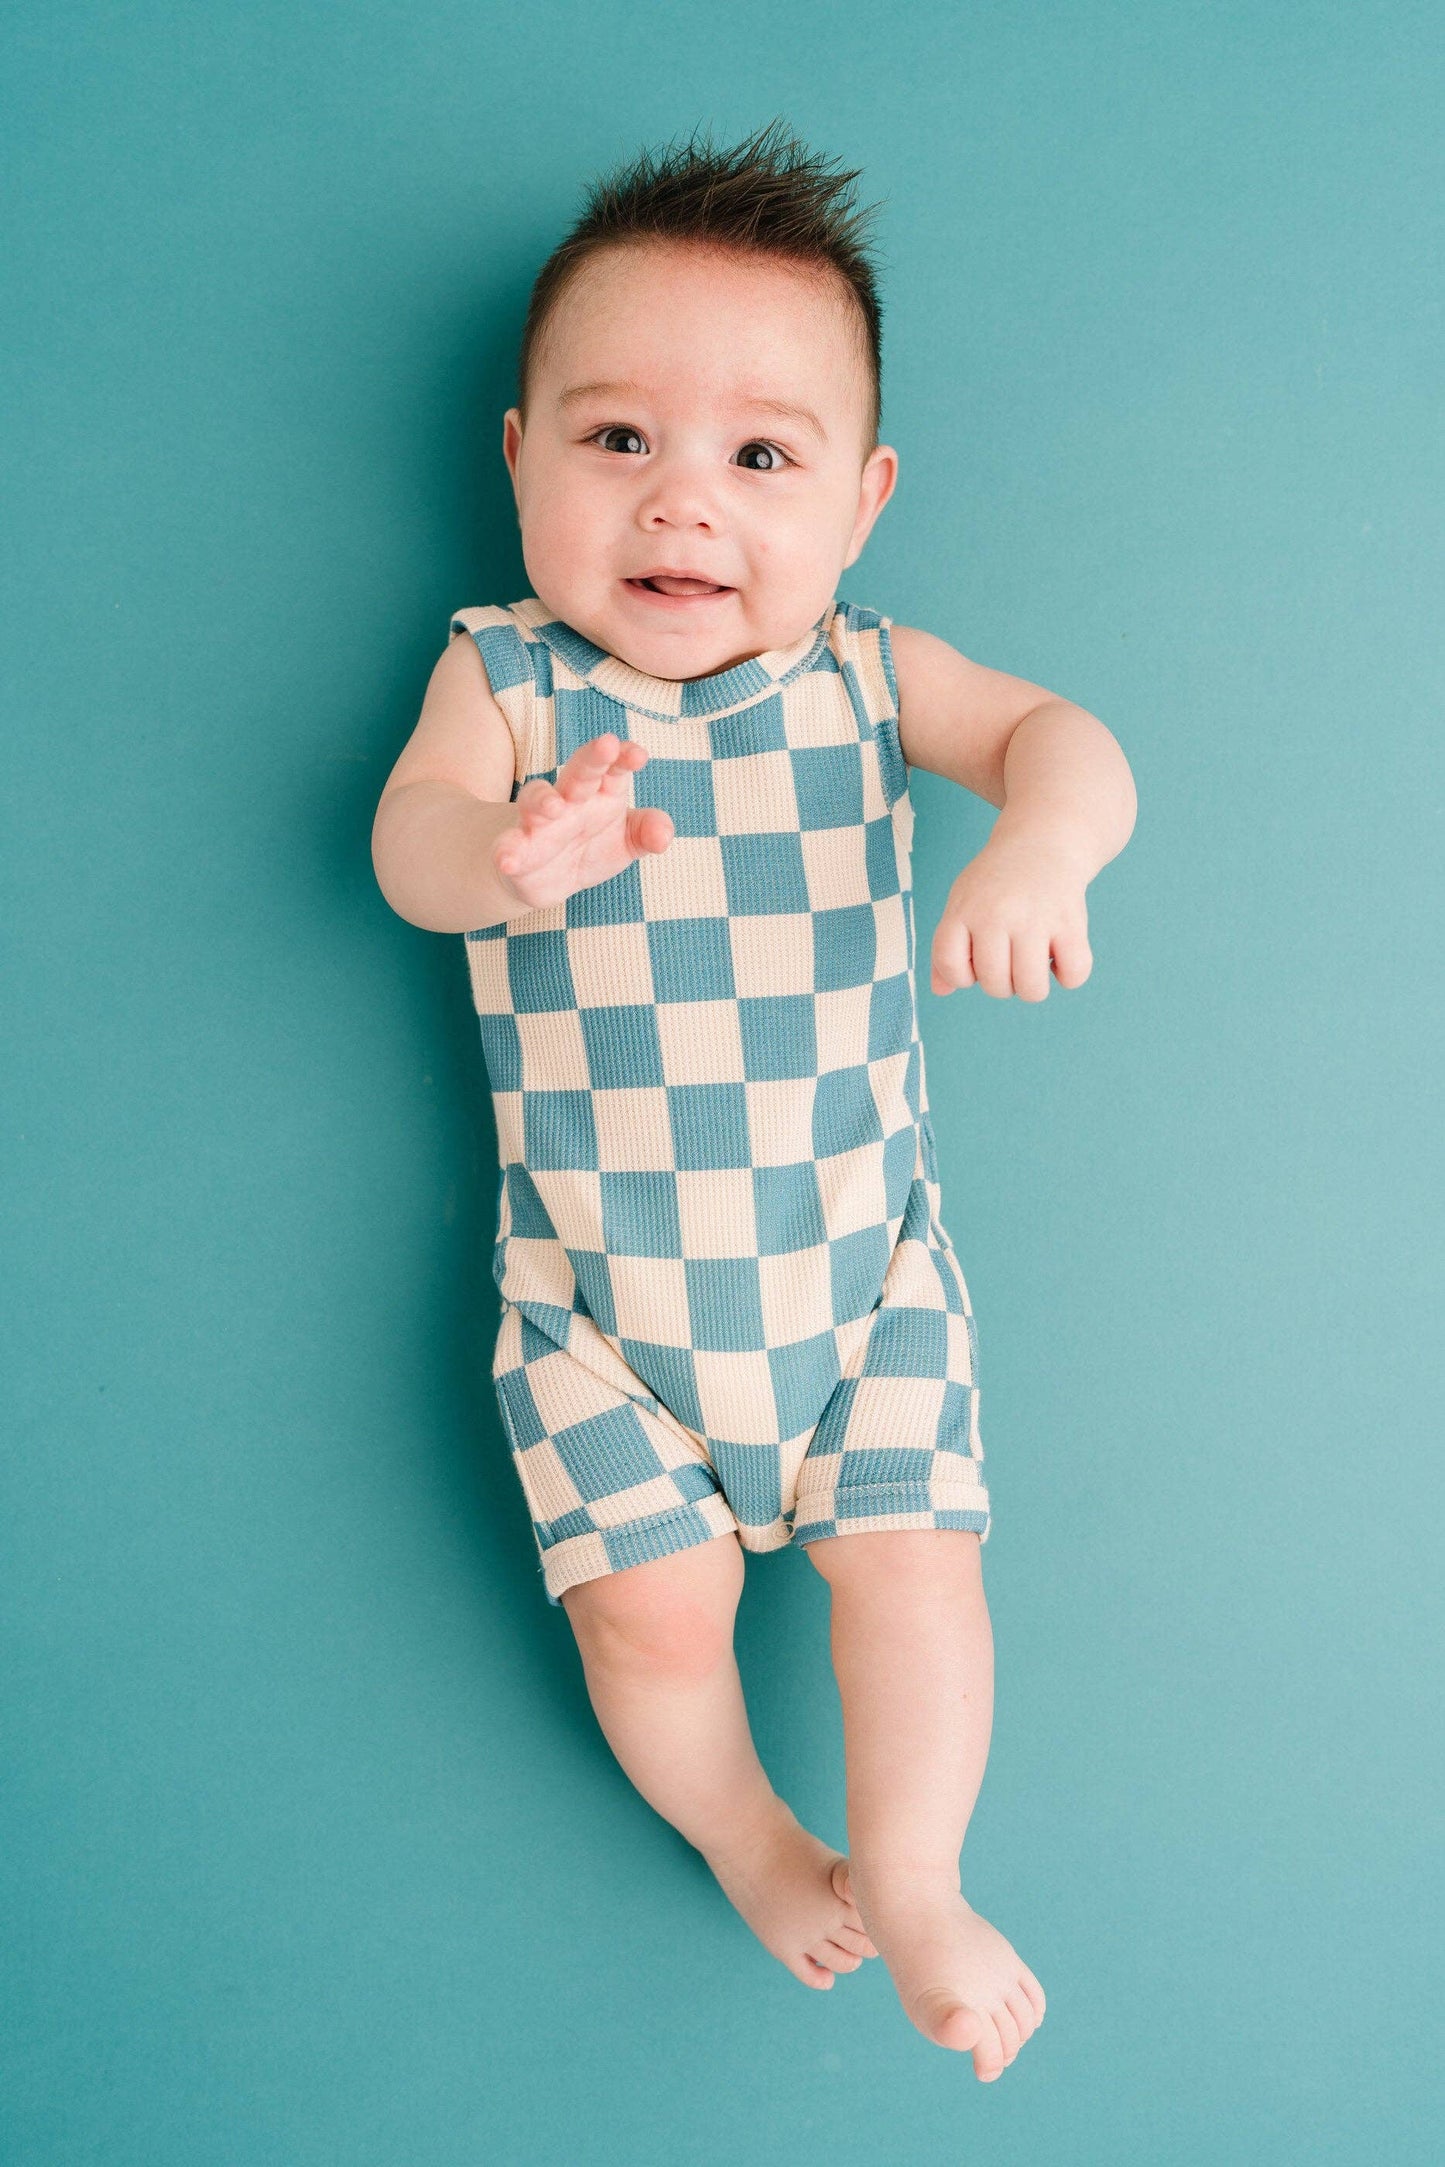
[(665, 798)]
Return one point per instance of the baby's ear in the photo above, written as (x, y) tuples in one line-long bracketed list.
[(875, 486), (512, 440)]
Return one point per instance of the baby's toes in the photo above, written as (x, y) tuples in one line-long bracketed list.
[(1008, 2031), (843, 1890), (989, 2055), (811, 1972), (949, 2022), (836, 1957), (854, 1938), (1022, 2010)]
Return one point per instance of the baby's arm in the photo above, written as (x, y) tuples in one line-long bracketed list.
[(453, 851), (1068, 806)]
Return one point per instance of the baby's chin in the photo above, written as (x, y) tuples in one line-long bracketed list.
[(670, 636)]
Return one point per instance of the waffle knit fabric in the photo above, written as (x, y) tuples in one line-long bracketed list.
[(728, 1300)]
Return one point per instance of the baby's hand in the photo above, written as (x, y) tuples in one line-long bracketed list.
[(580, 830), (1018, 905)]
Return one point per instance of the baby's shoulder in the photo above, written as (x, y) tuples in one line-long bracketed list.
[(470, 731), (497, 633)]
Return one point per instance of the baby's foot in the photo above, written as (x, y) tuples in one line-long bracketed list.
[(793, 1890), (959, 1981)]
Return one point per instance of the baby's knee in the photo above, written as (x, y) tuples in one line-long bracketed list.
[(669, 1617)]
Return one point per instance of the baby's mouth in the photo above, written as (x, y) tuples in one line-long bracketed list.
[(660, 584)]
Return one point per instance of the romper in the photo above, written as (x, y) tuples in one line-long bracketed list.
[(728, 1301)]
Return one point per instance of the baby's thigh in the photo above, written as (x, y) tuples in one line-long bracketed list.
[(672, 1614), (880, 1558)]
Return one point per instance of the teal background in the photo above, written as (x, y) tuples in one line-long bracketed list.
[(312, 1850)]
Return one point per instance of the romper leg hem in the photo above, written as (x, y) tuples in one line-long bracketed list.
[(603, 1550), (873, 1506)]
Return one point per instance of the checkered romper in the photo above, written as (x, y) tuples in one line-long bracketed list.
[(728, 1299)]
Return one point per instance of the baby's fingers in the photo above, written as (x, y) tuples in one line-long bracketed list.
[(952, 957), (543, 819), (992, 961), (538, 802), (647, 828), (1073, 959), (614, 783), (602, 761), (1031, 965)]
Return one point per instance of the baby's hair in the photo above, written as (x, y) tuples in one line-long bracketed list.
[(767, 196)]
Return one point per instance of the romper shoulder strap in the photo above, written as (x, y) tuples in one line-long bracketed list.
[(862, 642), (507, 657)]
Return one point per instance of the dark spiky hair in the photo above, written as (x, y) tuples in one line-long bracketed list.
[(769, 196)]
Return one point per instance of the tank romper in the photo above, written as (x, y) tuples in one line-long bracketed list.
[(728, 1301)]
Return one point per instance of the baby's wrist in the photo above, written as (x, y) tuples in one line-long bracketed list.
[(1053, 837)]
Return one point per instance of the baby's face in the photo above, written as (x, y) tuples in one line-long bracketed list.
[(650, 448)]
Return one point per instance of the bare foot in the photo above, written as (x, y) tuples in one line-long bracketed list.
[(793, 1890), (959, 1981)]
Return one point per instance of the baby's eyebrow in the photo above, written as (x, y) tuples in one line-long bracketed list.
[(787, 412), (754, 402)]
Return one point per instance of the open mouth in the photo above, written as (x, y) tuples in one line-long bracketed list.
[(679, 590)]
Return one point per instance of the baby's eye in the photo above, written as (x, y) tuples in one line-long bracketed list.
[(779, 458), (617, 428)]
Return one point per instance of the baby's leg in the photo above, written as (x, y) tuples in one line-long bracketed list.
[(657, 1649), (913, 1650)]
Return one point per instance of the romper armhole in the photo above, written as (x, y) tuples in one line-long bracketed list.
[(506, 658), (868, 645), (890, 731), (885, 657)]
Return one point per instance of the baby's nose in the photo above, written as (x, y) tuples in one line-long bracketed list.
[(680, 494)]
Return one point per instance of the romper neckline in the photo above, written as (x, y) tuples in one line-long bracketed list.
[(676, 699)]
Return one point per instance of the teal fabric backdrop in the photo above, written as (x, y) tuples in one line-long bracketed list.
[(313, 1851)]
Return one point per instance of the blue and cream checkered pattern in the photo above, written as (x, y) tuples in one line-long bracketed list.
[(728, 1299)]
